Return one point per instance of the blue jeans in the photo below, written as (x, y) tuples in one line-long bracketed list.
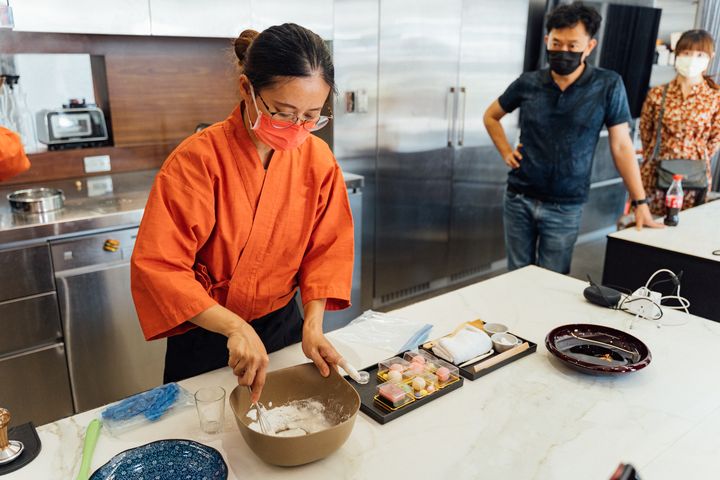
[(540, 233)]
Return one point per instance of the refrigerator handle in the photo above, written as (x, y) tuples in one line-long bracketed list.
[(451, 114), (461, 129)]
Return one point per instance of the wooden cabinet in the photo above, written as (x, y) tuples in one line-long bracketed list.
[(129, 17)]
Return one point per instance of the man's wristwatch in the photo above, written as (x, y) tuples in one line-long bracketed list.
[(643, 201)]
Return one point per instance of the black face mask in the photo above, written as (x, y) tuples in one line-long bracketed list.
[(562, 62)]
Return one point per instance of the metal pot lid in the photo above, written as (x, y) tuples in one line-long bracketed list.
[(34, 194), (36, 200)]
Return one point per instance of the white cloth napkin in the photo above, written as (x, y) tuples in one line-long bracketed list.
[(464, 345)]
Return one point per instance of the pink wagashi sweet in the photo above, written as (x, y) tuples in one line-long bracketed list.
[(419, 383), (443, 374), (419, 359), (397, 367), (392, 393)]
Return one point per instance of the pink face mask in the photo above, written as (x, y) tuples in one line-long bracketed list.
[(276, 138)]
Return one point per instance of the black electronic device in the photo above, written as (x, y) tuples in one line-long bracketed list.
[(602, 295)]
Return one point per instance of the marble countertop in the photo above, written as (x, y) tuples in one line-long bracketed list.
[(697, 234), (532, 419)]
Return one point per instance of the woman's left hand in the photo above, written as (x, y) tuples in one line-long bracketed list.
[(318, 348)]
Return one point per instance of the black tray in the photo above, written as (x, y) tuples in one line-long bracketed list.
[(381, 415), (27, 434), (467, 371)]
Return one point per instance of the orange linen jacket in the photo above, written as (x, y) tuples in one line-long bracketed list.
[(220, 229), (12, 156)]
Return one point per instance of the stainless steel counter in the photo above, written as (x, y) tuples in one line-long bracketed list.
[(91, 204)]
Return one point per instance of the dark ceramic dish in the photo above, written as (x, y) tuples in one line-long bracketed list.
[(597, 349), (165, 460)]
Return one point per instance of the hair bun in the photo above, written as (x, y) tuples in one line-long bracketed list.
[(242, 44)]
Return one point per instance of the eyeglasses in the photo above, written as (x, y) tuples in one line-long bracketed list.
[(282, 120)]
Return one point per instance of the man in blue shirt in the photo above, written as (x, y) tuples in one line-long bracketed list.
[(562, 110)]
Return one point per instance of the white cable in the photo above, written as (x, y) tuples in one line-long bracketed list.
[(684, 305), (643, 296), (633, 320), (659, 272)]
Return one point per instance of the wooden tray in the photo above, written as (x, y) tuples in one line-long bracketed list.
[(382, 415), (468, 372)]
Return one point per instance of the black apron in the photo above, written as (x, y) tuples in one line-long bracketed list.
[(198, 350)]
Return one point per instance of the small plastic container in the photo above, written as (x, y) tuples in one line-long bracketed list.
[(406, 387), (422, 356), (393, 395), (413, 371), (445, 372), (385, 366), (419, 362), (424, 385)]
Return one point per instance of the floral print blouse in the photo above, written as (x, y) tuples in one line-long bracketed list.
[(690, 130)]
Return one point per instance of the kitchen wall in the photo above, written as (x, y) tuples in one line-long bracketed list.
[(678, 16), (158, 90)]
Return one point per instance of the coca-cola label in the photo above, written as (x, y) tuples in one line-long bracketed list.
[(673, 201)]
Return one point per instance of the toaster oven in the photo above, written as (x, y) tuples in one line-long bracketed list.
[(72, 127)]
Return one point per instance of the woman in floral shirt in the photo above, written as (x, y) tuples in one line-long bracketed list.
[(691, 122)]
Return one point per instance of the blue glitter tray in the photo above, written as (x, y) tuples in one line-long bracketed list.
[(165, 460)]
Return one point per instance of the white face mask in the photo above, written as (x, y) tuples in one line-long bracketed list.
[(691, 67)]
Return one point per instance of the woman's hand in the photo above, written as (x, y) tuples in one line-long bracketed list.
[(314, 344), (318, 348), (248, 358), (247, 355)]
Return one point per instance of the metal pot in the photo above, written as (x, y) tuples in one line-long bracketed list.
[(36, 200)]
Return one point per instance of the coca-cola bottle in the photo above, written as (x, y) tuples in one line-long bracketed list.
[(674, 201)]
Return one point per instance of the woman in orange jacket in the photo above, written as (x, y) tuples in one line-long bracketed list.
[(243, 214), (12, 156)]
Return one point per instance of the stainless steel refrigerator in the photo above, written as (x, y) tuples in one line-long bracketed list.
[(439, 180)]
